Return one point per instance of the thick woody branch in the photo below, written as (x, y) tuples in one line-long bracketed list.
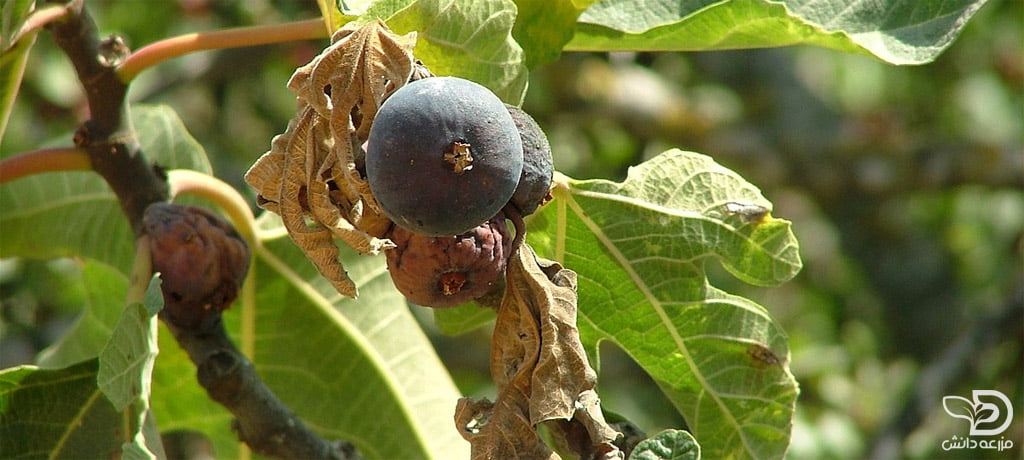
[(108, 136), (112, 146), (262, 421)]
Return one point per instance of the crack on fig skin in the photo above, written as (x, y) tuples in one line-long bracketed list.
[(460, 157)]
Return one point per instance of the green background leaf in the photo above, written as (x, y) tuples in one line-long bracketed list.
[(543, 27), (76, 213), (56, 414), (896, 31), (463, 318), (105, 290), (13, 56), (639, 248), (364, 370)]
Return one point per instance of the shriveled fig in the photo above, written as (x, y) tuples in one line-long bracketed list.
[(443, 156), (535, 181), (202, 261), (445, 271)]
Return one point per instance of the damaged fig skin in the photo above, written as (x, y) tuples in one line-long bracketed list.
[(534, 186), (201, 259), (446, 271), (443, 156)]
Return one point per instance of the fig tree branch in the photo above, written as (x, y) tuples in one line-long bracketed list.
[(107, 136), (111, 148)]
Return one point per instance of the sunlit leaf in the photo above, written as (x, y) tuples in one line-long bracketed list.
[(640, 247), (543, 27), (472, 40), (463, 318), (896, 31)]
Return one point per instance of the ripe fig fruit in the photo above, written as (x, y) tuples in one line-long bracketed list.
[(443, 156), (201, 259), (535, 182), (445, 271)]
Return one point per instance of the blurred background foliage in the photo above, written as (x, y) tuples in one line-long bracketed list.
[(905, 186)]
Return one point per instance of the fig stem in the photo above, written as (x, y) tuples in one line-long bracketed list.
[(162, 50), (188, 182), (513, 214), (44, 160)]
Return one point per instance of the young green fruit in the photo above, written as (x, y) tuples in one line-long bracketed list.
[(444, 271), (443, 156)]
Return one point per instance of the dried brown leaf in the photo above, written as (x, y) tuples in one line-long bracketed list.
[(311, 175), (541, 370)]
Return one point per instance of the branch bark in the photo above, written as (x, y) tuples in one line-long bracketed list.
[(262, 420), (108, 136)]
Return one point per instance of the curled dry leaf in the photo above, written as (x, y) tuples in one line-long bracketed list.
[(312, 176), (541, 371)]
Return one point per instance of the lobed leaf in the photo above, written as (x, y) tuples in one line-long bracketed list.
[(896, 31), (640, 247), (126, 361)]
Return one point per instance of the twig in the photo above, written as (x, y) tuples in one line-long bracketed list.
[(188, 182), (43, 160), (162, 50)]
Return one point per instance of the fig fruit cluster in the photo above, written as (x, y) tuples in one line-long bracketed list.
[(444, 158)]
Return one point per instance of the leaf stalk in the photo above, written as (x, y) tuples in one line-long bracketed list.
[(42, 161), (173, 47)]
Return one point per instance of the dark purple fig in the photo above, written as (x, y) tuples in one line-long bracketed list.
[(443, 156), (535, 182)]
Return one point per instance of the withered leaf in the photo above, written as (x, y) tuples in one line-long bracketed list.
[(311, 175), (541, 370)]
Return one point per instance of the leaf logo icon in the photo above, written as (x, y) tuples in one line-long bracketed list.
[(979, 412), (959, 407)]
